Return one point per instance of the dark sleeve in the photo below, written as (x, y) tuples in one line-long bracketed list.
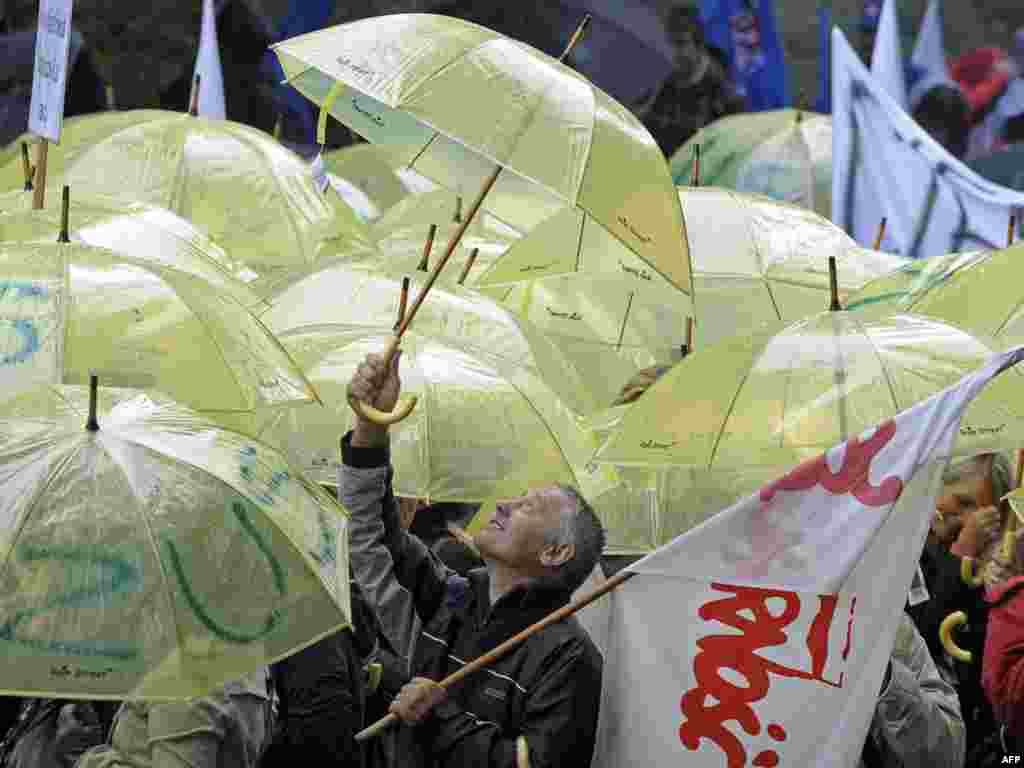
[(559, 726), (364, 487)]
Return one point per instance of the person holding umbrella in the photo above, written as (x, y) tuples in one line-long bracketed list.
[(536, 706)]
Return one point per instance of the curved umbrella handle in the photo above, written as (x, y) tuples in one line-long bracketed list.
[(967, 574), (377, 416), (954, 621)]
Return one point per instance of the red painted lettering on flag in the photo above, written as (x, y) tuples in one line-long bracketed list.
[(853, 475), (715, 700)]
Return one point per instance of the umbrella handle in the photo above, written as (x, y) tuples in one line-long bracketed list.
[(967, 573), (954, 621), (377, 416)]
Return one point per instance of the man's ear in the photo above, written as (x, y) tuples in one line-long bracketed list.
[(554, 555)]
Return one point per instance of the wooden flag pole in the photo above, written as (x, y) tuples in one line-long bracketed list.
[(469, 266), (881, 234), (39, 190), (424, 265), (489, 658), (404, 408)]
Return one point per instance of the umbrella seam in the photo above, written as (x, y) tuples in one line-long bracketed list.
[(547, 427), (881, 363), (732, 405)]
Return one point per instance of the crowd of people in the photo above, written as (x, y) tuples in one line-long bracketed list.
[(427, 598)]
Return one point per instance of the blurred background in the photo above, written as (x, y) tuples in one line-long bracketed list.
[(141, 55)]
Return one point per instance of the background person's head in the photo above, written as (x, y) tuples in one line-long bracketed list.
[(968, 485), (945, 115), (551, 535), (686, 36)]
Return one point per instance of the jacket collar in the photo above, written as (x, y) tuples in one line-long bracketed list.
[(514, 611)]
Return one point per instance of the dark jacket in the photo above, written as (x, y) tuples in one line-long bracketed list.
[(1003, 663), (539, 700)]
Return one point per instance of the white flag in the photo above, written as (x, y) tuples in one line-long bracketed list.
[(929, 57), (887, 57), (760, 638), (211, 76), (885, 166)]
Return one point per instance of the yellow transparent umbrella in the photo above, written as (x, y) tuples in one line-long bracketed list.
[(785, 154), (484, 427), (133, 229), (757, 260), (77, 135), (897, 290), (154, 555), (252, 196), (773, 399), (361, 297), (67, 309), (454, 100)]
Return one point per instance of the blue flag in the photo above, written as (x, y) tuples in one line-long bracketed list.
[(305, 16), (824, 103), (746, 30)]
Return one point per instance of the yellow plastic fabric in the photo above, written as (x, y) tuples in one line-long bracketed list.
[(483, 427), (252, 196), (991, 280), (453, 98), (157, 558), (898, 290), (360, 297), (758, 261), (771, 400), (372, 170), (136, 230), (77, 135), (765, 152), (66, 310)]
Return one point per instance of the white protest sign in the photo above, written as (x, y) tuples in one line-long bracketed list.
[(49, 78)]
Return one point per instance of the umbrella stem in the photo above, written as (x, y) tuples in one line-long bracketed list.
[(687, 348), (424, 265), (469, 266), (39, 176), (193, 103), (1009, 231), (65, 208), (881, 234), (457, 218), (576, 37), (833, 281), (92, 425), (696, 165), (26, 165)]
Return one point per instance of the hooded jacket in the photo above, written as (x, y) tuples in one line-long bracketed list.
[(1002, 665), (537, 706)]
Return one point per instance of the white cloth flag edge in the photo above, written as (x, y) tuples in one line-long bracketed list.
[(887, 57)]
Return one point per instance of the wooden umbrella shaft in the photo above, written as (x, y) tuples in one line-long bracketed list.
[(881, 234), (489, 658), (39, 192)]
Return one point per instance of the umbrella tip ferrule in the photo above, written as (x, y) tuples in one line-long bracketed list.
[(92, 425), (65, 210), (833, 280)]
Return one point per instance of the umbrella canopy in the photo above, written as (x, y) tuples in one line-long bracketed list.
[(77, 135), (252, 196), (135, 230), (158, 557), (992, 281), (370, 169), (360, 297), (772, 400), (757, 260), (68, 309), (484, 427), (765, 152), (401, 233), (899, 290), (454, 99)]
